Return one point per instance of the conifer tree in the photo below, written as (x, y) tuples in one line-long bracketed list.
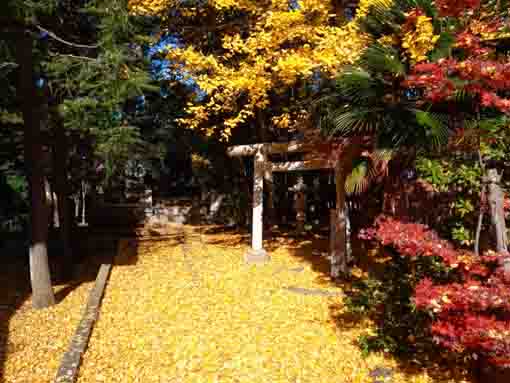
[(76, 69)]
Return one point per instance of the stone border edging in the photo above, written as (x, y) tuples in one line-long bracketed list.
[(319, 292), (70, 364)]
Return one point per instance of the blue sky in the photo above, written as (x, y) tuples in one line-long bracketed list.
[(161, 70)]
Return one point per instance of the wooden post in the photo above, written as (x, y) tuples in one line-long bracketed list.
[(257, 254)]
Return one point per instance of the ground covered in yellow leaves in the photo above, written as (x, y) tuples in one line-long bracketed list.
[(32, 342), (194, 312), (37, 339)]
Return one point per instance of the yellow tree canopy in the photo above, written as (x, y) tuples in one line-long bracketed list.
[(241, 51)]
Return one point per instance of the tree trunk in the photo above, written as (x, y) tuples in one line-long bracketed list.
[(482, 212), (338, 243), (480, 222), (31, 106), (348, 231), (51, 203), (60, 155), (337, 232)]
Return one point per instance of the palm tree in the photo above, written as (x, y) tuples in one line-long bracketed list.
[(370, 99)]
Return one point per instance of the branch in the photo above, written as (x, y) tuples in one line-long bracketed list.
[(480, 221), (74, 57), (8, 65), (59, 39)]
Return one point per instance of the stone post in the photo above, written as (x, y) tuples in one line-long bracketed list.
[(268, 177), (300, 205), (496, 198), (257, 254), (147, 199)]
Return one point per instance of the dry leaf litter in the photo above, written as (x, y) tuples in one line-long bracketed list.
[(195, 312)]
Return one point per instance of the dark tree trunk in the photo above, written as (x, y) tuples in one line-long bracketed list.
[(338, 250), (60, 156), (31, 106), (480, 222), (482, 212), (348, 231), (338, 239)]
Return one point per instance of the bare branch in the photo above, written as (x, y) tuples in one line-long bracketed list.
[(75, 57), (61, 40), (8, 65)]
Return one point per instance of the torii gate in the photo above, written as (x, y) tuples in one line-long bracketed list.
[(318, 155)]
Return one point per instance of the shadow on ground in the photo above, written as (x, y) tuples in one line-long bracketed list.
[(14, 288), (400, 332), (312, 248), (90, 250)]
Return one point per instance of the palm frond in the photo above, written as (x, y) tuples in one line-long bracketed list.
[(494, 124), (368, 169), (324, 99), (427, 6), (358, 180), (356, 120), (471, 124), (382, 155), (357, 86), (436, 128), (382, 59), (485, 125), (379, 159), (381, 19)]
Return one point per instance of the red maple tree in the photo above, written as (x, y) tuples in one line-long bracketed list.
[(470, 315)]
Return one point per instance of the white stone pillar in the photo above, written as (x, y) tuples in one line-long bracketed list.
[(257, 254), (268, 178)]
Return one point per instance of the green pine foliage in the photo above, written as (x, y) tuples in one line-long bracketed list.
[(92, 88)]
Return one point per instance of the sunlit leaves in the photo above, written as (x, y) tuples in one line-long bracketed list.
[(208, 317), (470, 309), (279, 46), (34, 341)]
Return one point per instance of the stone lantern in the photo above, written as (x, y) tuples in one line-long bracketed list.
[(314, 208), (299, 190)]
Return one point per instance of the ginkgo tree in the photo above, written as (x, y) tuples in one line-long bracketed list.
[(243, 53)]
